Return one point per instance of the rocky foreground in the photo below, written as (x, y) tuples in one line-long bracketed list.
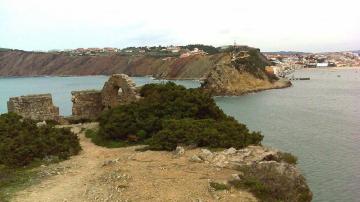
[(124, 174)]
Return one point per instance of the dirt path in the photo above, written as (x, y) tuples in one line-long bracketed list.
[(101, 174)]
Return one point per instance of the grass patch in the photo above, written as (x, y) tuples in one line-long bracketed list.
[(288, 158), (15, 179), (108, 143), (219, 186)]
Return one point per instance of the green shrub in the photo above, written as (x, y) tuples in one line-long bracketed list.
[(203, 133), (170, 114), (22, 142), (101, 141), (267, 184), (219, 186)]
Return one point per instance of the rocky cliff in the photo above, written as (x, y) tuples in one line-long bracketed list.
[(22, 63)]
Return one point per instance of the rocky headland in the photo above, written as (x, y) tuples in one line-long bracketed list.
[(240, 72)]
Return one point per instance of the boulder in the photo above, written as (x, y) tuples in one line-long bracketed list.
[(206, 155), (179, 151), (196, 159)]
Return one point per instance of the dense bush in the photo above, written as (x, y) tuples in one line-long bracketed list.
[(203, 132), (170, 114), (22, 142)]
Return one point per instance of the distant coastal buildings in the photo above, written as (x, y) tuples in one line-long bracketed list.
[(285, 60), (168, 51)]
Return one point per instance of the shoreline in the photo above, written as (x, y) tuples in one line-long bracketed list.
[(347, 68), (280, 84), (333, 68)]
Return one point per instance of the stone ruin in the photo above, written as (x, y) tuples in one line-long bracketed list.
[(87, 104), (119, 89), (36, 107)]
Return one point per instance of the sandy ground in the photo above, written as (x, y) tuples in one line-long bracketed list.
[(123, 174)]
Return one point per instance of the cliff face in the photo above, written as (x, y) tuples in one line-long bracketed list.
[(21, 63)]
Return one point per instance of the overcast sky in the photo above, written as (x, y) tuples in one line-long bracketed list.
[(306, 25)]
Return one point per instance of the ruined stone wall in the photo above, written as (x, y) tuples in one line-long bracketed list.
[(37, 107), (119, 89), (89, 104), (86, 104)]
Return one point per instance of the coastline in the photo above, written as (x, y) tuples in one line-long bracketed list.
[(343, 68), (280, 84)]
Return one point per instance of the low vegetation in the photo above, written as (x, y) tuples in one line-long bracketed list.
[(219, 186), (22, 142), (269, 185), (168, 115), (24, 146), (109, 143), (15, 179), (288, 158)]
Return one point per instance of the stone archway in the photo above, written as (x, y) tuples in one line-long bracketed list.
[(119, 89)]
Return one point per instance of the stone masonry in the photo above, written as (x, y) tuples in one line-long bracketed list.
[(86, 104), (119, 89), (89, 104), (38, 107)]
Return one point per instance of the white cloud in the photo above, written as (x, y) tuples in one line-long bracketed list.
[(309, 25)]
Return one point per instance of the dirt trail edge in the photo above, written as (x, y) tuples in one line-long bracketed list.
[(123, 174)]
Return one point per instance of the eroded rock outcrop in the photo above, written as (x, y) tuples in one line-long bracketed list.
[(256, 164), (37, 107)]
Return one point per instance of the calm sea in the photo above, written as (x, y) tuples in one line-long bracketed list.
[(317, 120)]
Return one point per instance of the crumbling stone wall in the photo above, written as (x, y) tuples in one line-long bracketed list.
[(89, 104), (37, 107), (119, 89), (86, 104)]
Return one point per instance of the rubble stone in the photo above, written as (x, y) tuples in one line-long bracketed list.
[(196, 159), (179, 151)]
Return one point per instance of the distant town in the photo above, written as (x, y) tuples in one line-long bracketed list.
[(165, 51), (288, 59), (286, 62)]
